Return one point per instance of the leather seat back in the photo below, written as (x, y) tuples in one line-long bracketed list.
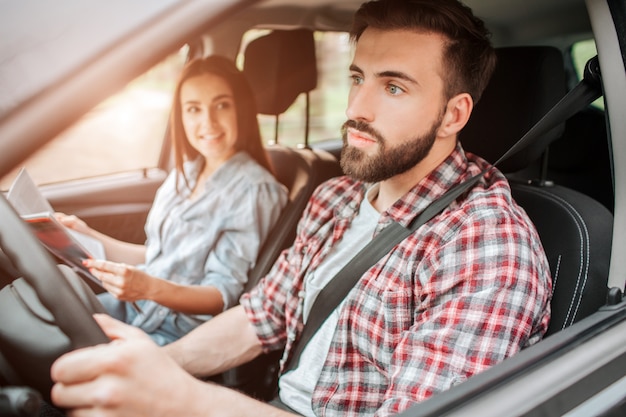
[(575, 229), (281, 66)]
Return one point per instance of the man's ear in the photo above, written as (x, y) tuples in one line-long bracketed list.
[(458, 111)]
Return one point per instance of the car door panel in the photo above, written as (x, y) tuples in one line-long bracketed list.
[(116, 205)]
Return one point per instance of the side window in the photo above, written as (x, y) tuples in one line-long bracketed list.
[(581, 53), (123, 133), (327, 102)]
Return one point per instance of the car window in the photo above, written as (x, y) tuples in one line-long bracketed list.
[(581, 53), (123, 133), (327, 102)]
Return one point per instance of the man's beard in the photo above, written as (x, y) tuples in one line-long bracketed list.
[(388, 162)]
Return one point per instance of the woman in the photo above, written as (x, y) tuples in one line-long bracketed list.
[(209, 217)]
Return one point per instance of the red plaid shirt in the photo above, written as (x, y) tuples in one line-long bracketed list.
[(466, 290)]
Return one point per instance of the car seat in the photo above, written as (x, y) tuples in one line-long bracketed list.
[(280, 66), (301, 171), (575, 229), (581, 158)]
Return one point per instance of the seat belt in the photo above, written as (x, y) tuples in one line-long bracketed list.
[(585, 92)]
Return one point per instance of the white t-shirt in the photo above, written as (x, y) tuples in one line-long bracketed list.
[(296, 386)]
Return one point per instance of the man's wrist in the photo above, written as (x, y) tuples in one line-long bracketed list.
[(174, 351)]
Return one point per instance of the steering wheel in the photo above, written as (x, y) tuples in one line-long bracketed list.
[(45, 313)]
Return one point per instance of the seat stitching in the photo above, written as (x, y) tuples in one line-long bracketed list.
[(575, 304), (556, 273)]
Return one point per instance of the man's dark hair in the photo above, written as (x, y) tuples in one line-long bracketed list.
[(469, 58)]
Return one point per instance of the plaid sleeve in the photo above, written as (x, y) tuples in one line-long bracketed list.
[(272, 306)]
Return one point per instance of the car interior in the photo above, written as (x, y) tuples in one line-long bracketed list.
[(575, 228), (563, 179)]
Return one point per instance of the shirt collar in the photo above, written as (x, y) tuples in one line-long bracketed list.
[(192, 168), (450, 172)]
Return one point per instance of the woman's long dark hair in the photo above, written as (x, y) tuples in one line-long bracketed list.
[(248, 133)]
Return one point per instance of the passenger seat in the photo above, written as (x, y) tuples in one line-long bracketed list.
[(280, 66)]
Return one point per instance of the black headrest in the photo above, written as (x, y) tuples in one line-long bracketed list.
[(280, 66), (526, 83)]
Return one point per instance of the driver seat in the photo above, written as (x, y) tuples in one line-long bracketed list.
[(575, 230)]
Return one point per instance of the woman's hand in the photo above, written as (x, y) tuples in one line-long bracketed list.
[(124, 282), (73, 222)]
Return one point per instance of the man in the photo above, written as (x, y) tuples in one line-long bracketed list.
[(466, 290)]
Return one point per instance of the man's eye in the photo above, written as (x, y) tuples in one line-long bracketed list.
[(394, 89), (356, 79), (222, 105)]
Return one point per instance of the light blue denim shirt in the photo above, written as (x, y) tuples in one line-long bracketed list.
[(213, 240)]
